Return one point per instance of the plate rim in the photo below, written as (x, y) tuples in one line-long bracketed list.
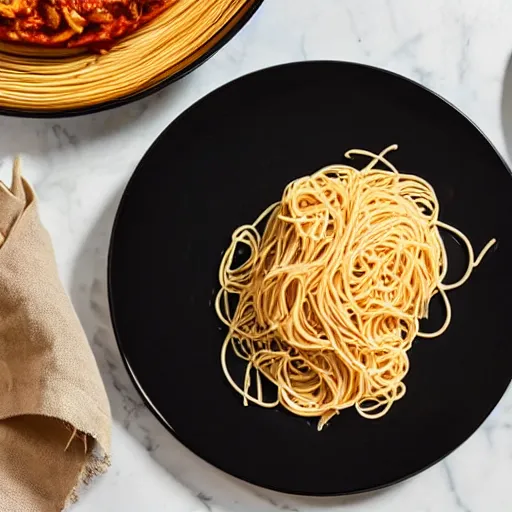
[(138, 386), (130, 98)]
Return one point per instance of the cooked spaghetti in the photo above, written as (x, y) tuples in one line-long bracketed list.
[(38, 78), (331, 295)]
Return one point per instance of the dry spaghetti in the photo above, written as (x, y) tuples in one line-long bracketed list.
[(330, 297), (41, 78)]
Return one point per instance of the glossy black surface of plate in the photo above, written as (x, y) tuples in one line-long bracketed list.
[(218, 166), (130, 98)]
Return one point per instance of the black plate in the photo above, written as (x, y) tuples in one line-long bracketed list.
[(221, 163), (203, 56)]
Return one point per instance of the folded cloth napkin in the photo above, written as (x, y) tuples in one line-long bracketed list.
[(54, 414)]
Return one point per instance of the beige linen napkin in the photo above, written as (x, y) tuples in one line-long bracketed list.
[(54, 412)]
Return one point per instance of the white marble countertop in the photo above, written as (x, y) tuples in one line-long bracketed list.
[(79, 167)]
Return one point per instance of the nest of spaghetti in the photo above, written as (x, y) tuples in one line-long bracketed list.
[(67, 54), (334, 287)]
